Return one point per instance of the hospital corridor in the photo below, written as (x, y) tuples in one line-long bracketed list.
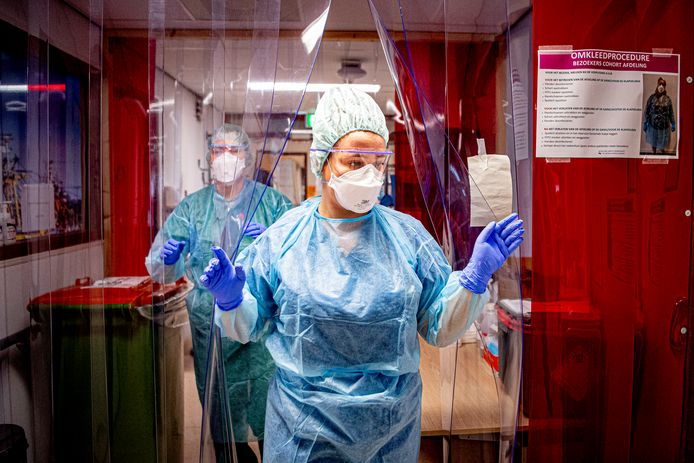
[(351, 231)]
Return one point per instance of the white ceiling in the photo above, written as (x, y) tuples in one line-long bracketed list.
[(208, 64), (486, 16)]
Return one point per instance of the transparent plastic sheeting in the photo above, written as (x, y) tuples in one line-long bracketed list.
[(49, 148), (255, 59), (471, 407)]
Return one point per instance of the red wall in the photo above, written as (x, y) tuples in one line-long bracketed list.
[(610, 258), (468, 103), (129, 162)]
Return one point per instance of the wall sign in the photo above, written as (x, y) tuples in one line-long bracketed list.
[(607, 104)]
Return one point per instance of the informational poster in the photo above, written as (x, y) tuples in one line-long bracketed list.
[(607, 104)]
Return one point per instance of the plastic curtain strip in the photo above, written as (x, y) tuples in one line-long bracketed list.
[(268, 114), (217, 435), (51, 149), (467, 410), (242, 51)]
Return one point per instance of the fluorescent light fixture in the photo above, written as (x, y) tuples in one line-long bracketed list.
[(321, 88), (24, 88), (313, 88), (314, 31), (279, 86), (207, 99), (14, 88), (160, 104)]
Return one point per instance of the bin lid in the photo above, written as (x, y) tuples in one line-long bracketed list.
[(109, 293), (12, 438)]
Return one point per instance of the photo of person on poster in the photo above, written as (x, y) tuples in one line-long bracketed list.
[(659, 118)]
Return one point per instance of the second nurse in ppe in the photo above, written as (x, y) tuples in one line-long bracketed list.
[(215, 215), (342, 287)]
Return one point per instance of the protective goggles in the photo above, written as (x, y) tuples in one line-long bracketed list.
[(348, 160), (217, 149)]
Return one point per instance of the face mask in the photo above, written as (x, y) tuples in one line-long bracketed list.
[(661, 89), (357, 190), (227, 168)]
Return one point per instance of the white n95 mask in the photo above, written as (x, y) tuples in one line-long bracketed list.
[(357, 190), (227, 168)]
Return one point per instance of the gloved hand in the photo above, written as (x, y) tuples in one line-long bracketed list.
[(645, 126), (496, 242), (673, 126), (224, 280), (254, 230), (171, 251), (511, 232)]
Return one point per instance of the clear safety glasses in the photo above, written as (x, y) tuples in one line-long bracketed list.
[(341, 161), (217, 149)]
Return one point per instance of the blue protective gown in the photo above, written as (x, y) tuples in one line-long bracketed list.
[(204, 219), (341, 302)]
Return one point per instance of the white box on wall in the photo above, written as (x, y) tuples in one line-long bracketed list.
[(38, 207)]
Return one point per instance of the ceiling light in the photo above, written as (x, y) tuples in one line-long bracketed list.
[(159, 105), (24, 88), (313, 88)]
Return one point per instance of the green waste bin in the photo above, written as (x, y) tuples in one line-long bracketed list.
[(115, 369)]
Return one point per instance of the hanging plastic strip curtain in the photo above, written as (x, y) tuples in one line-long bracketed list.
[(54, 373), (478, 389), (279, 71), (229, 408), (255, 59)]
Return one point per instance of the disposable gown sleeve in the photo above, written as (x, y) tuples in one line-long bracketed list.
[(446, 309), (250, 321), (177, 227)]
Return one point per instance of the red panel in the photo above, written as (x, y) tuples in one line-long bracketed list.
[(610, 260), (408, 195), (131, 232), (46, 87), (468, 103)]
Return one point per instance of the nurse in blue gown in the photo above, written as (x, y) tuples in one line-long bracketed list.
[(339, 288)]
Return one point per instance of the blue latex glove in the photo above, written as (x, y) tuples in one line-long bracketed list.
[(510, 230), (254, 230), (673, 126), (171, 251), (496, 242), (224, 280), (645, 126)]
